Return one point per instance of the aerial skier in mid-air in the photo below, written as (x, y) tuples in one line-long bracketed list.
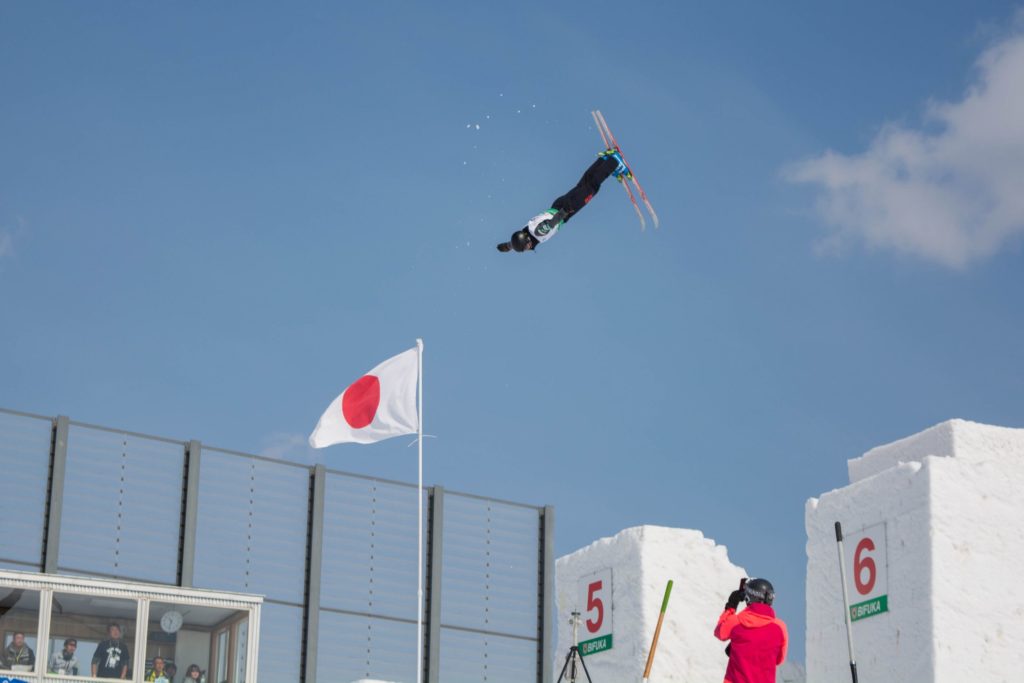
[(543, 227), (610, 162)]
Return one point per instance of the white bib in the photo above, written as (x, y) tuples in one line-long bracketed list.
[(542, 233)]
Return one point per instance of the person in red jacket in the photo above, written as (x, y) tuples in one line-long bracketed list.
[(758, 639)]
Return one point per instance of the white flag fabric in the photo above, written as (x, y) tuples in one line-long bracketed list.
[(377, 406)]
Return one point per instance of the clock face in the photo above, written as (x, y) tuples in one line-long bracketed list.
[(171, 621)]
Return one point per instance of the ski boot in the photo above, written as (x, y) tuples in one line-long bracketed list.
[(621, 172)]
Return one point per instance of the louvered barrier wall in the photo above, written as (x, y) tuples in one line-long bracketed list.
[(333, 553)]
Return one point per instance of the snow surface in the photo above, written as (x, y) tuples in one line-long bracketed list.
[(642, 560), (950, 498)]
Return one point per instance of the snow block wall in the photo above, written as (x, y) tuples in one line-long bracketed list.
[(638, 562), (934, 528)]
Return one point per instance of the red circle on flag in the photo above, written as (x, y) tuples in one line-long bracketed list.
[(360, 402)]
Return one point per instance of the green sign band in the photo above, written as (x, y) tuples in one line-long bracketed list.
[(869, 608), (589, 647)]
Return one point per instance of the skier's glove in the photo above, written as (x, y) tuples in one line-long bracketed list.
[(728, 650), (734, 600)]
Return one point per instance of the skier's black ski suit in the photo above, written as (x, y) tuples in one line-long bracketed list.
[(578, 197)]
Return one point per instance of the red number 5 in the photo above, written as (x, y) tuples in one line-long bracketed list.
[(593, 603), (861, 564)]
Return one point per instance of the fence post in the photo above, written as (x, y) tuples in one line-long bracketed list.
[(190, 513), (547, 631), (435, 559), (55, 494), (313, 571)]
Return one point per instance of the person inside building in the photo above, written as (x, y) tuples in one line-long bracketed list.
[(158, 674), (193, 674), (112, 655), (757, 638), (172, 671), (19, 656), (64, 662)]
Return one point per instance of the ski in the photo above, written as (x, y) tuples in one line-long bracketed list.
[(611, 143), (608, 145)]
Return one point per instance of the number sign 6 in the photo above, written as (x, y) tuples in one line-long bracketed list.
[(867, 562), (862, 562)]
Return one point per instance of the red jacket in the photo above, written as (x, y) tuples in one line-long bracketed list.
[(759, 643)]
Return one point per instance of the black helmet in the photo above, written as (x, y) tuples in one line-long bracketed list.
[(522, 240), (759, 590)]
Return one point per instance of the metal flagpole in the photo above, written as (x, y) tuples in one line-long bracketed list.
[(846, 600), (419, 534)]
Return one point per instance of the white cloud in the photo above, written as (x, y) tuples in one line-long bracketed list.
[(285, 446), (951, 192)]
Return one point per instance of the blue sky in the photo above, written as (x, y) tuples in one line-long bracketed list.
[(213, 216)]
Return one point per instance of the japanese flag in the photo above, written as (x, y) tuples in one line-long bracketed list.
[(377, 406)]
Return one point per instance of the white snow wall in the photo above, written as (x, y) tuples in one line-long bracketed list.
[(952, 503), (642, 559)]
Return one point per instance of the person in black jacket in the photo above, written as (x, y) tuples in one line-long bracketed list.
[(112, 656)]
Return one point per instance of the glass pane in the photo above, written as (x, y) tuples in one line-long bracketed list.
[(280, 643), (222, 657), (181, 638), (104, 629), (241, 650), (253, 516), (25, 462), (122, 505), (19, 625)]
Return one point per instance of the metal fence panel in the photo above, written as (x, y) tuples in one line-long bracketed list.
[(353, 647), (473, 657), (280, 643), (490, 577), (122, 505), (253, 518), (369, 547), (25, 463)]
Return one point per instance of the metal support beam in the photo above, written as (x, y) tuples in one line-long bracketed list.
[(435, 558), (314, 568), (190, 513), (547, 631), (55, 494)]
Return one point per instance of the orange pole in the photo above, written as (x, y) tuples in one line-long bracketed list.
[(657, 632)]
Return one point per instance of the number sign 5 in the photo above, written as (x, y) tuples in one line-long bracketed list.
[(595, 603)]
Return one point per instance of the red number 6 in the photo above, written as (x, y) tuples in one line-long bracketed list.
[(592, 603), (859, 565)]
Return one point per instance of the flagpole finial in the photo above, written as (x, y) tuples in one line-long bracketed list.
[(419, 344)]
